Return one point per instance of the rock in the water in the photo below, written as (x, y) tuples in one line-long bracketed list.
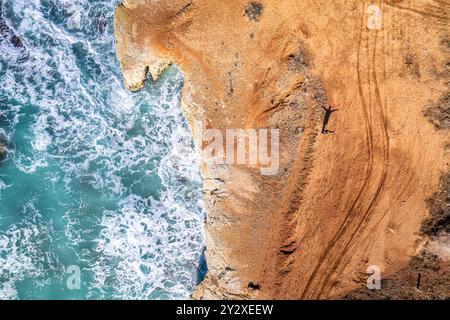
[(8, 37), (100, 24), (3, 152), (3, 145)]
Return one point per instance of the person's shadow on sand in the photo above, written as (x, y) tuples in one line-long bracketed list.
[(326, 119)]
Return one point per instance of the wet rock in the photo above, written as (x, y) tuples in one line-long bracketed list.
[(100, 24), (16, 41), (3, 27), (8, 36), (3, 151), (3, 146)]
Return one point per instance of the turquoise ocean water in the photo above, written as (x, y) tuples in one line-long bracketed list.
[(96, 178)]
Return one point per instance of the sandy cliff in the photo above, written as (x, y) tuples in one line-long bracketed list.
[(341, 201)]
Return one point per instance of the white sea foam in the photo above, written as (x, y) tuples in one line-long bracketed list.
[(156, 242), (42, 138), (74, 21), (132, 148), (3, 185), (23, 258), (8, 291)]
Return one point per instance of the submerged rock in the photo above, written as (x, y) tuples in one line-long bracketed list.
[(3, 152), (3, 146), (100, 24), (9, 38)]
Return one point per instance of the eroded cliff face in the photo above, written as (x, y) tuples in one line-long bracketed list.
[(341, 201)]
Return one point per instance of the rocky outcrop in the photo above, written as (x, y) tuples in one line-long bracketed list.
[(3, 152), (136, 57), (9, 38), (339, 202), (3, 146)]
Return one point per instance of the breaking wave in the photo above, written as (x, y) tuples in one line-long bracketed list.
[(95, 176)]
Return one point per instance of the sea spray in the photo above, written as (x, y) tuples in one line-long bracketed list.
[(95, 177)]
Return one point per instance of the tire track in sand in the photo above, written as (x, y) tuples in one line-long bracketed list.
[(383, 176), (356, 208)]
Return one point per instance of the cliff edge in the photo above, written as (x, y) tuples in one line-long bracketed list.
[(351, 187)]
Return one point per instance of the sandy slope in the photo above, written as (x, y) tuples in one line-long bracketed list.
[(341, 201)]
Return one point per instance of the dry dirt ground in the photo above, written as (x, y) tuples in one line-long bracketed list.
[(341, 201), (427, 276)]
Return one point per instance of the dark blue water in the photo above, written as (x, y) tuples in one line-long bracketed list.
[(96, 178)]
